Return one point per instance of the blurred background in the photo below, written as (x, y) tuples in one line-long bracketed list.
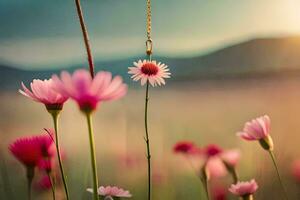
[(230, 60)]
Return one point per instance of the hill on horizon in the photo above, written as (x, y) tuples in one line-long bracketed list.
[(252, 58)]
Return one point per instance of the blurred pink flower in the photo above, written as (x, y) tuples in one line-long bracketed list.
[(212, 150), (88, 92), (296, 170), (215, 167), (231, 157), (44, 183), (30, 150), (149, 70), (219, 192), (46, 164), (43, 91), (256, 129), (185, 147), (112, 191), (244, 188)]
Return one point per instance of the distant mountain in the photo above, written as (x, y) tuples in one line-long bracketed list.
[(258, 57)]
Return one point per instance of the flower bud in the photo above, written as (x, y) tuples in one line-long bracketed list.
[(267, 143)]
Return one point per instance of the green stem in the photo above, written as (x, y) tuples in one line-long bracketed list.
[(204, 180), (93, 155), (147, 140), (30, 175), (55, 115), (235, 176), (278, 174), (52, 185)]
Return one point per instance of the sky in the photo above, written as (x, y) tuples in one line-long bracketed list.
[(43, 34)]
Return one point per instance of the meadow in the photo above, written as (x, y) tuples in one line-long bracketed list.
[(201, 111)]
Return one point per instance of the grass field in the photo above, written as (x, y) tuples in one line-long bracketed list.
[(205, 112)]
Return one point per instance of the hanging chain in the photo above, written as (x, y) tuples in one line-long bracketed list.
[(149, 43)]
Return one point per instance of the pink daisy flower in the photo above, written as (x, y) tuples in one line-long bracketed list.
[(112, 191), (88, 92), (150, 71), (256, 129), (43, 91), (244, 188)]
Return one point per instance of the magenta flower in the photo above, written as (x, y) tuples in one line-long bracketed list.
[(112, 191), (88, 92), (219, 162), (212, 150), (27, 150), (258, 130), (46, 164), (43, 91), (150, 71), (186, 147), (31, 150), (244, 188)]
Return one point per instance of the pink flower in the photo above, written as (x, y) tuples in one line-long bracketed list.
[(44, 92), (244, 188), (46, 164), (149, 71), (215, 168), (231, 157), (110, 191), (88, 92), (185, 147), (218, 161), (256, 129), (27, 150), (219, 193), (31, 150), (212, 150), (296, 170), (44, 183)]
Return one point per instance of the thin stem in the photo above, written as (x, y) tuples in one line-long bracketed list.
[(204, 179), (278, 174), (30, 175), (29, 183), (234, 175), (93, 156), (147, 140), (205, 185), (85, 37), (52, 185), (63, 176), (199, 176)]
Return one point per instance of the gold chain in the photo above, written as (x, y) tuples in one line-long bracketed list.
[(149, 44)]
